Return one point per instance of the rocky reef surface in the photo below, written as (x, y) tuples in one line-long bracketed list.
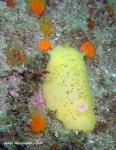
[(22, 71)]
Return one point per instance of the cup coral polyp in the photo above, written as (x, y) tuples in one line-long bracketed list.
[(90, 23), (44, 44), (46, 26), (10, 3), (38, 123), (88, 47), (37, 7)]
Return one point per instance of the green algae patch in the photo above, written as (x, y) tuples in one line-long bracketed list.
[(66, 89)]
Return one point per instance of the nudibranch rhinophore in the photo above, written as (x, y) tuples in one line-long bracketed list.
[(66, 89)]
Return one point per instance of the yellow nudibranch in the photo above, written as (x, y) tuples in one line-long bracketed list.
[(66, 89)]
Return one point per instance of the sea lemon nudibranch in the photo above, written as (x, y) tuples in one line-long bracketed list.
[(66, 89)]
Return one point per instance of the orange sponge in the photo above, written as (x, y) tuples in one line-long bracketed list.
[(88, 47), (44, 44)]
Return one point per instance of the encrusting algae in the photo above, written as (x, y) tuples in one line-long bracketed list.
[(66, 89)]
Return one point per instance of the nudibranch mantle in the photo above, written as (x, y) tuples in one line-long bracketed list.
[(66, 89)]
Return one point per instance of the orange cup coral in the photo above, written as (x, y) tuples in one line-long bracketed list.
[(109, 9), (10, 3), (90, 23), (38, 123), (44, 44), (88, 47), (37, 6), (46, 26)]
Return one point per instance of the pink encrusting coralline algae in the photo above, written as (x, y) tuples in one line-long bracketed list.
[(37, 99), (14, 93)]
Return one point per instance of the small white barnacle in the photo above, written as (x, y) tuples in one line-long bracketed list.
[(56, 134)]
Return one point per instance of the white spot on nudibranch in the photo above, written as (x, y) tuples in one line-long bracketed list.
[(82, 107)]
